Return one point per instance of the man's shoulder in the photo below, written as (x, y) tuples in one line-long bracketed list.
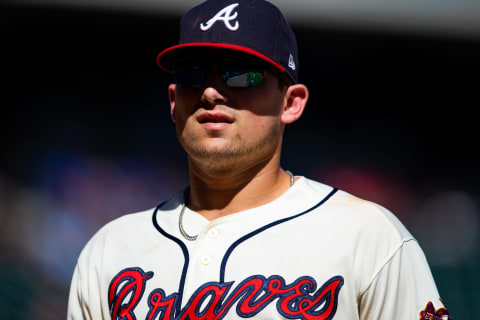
[(344, 206), (129, 227), (126, 221), (122, 227), (137, 220)]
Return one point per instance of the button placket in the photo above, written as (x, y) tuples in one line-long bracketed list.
[(213, 233), (205, 259)]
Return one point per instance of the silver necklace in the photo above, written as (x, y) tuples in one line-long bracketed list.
[(180, 218)]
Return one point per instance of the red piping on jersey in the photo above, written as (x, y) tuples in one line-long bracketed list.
[(218, 45)]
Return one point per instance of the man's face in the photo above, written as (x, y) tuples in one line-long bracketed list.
[(224, 127)]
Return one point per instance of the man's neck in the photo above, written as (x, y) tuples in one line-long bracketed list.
[(217, 195)]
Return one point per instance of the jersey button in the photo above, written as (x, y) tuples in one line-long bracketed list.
[(205, 260), (213, 233)]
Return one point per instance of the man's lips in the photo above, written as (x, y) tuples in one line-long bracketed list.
[(214, 121), (214, 117)]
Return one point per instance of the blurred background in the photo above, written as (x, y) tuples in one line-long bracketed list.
[(86, 135)]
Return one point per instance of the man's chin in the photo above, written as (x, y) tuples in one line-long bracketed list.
[(217, 159), (213, 148)]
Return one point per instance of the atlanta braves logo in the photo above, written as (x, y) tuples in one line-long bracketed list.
[(224, 15), (133, 281), (213, 300), (431, 314)]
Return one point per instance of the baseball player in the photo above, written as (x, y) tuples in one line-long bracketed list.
[(247, 239)]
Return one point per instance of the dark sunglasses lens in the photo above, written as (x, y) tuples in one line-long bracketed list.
[(189, 76), (243, 79), (192, 74), (238, 76)]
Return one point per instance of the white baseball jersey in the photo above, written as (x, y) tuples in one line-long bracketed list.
[(313, 253)]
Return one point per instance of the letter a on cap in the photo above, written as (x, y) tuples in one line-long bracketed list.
[(224, 15)]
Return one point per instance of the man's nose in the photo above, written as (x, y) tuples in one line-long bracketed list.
[(214, 88)]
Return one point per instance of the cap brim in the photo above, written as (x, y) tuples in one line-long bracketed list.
[(169, 56)]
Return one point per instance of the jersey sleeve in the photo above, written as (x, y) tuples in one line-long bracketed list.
[(403, 288), (77, 308), (85, 297)]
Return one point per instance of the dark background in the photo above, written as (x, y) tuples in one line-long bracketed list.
[(86, 137)]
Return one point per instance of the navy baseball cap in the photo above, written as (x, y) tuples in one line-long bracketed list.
[(254, 27)]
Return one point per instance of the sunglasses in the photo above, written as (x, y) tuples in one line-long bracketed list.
[(191, 73)]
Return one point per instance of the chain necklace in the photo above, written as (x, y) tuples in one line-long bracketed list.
[(180, 218)]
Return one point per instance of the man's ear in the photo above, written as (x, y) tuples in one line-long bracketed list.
[(296, 97), (171, 97)]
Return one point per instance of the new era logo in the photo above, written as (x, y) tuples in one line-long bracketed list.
[(224, 15), (291, 63)]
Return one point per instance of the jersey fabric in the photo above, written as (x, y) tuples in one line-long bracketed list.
[(313, 253)]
